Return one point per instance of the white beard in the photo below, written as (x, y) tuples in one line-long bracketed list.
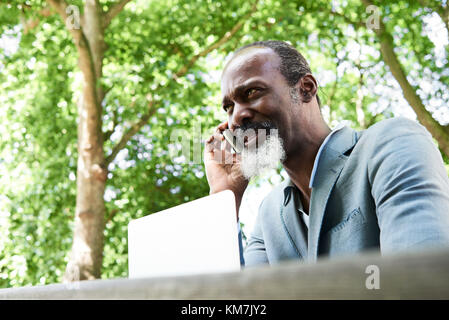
[(256, 161)]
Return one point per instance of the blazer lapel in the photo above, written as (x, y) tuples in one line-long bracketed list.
[(329, 167), (294, 227)]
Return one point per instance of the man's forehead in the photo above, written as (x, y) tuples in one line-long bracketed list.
[(249, 62)]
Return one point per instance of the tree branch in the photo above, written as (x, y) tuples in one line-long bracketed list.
[(113, 11), (434, 5), (439, 132), (33, 22), (108, 133), (85, 62), (110, 216), (355, 24), (359, 98), (131, 132), (228, 35), (335, 85), (61, 8), (182, 71), (104, 92)]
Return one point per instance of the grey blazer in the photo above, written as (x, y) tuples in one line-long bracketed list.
[(384, 188)]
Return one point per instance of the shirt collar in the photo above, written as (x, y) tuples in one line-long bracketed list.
[(318, 155), (290, 186), (288, 191)]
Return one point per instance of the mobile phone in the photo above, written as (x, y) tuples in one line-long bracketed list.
[(232, 141)]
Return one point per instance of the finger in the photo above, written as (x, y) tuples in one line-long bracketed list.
[(223, 157), (228, 157), (212, 143), (221, 152), (209, 139), (208, 147), (237, 158), (219, 136), (223, 126), (215, 143), (227, 146)]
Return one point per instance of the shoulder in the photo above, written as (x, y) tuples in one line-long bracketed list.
[(401, 146), (392, 134), (393, 128)]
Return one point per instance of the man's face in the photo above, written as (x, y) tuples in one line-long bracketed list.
[(257, 96), (255, 93)]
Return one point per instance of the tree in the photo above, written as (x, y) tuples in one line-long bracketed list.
[(406, 23), (88, 33)]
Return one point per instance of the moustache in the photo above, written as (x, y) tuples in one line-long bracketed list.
[(264, 125)]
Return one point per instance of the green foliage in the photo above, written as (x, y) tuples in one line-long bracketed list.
[(147, 44)]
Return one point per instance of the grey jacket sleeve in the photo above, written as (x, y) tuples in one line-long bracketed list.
[(410, 187), (255, 253)]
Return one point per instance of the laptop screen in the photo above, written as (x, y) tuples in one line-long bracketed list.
[(200, 236)]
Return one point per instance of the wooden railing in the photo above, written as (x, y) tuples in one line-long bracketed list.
[(417, 275)]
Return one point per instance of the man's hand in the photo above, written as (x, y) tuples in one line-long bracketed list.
[(223, 167)]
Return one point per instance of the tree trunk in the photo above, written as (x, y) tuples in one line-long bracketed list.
[(87, 249), (439, 132)]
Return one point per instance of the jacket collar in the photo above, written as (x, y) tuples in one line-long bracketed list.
[(342, 143), (328, 166)]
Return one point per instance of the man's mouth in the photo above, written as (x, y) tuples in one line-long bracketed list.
[(250, 142), (254, 134), (256, 139)]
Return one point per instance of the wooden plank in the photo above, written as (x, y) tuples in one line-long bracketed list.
[(418, 275)]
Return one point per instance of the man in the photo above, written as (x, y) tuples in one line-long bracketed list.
[(385, 188)]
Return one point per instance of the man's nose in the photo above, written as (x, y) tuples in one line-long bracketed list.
[(240, 116)]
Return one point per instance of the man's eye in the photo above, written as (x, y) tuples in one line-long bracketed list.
[(227, 107), (251, 92)]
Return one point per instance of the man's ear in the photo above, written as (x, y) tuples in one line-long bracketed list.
[(308, 87)]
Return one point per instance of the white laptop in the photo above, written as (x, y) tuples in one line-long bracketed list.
[(200, 236)]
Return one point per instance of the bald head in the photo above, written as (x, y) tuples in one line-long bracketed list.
[(292, 65), (249, 63), (242, 57)]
